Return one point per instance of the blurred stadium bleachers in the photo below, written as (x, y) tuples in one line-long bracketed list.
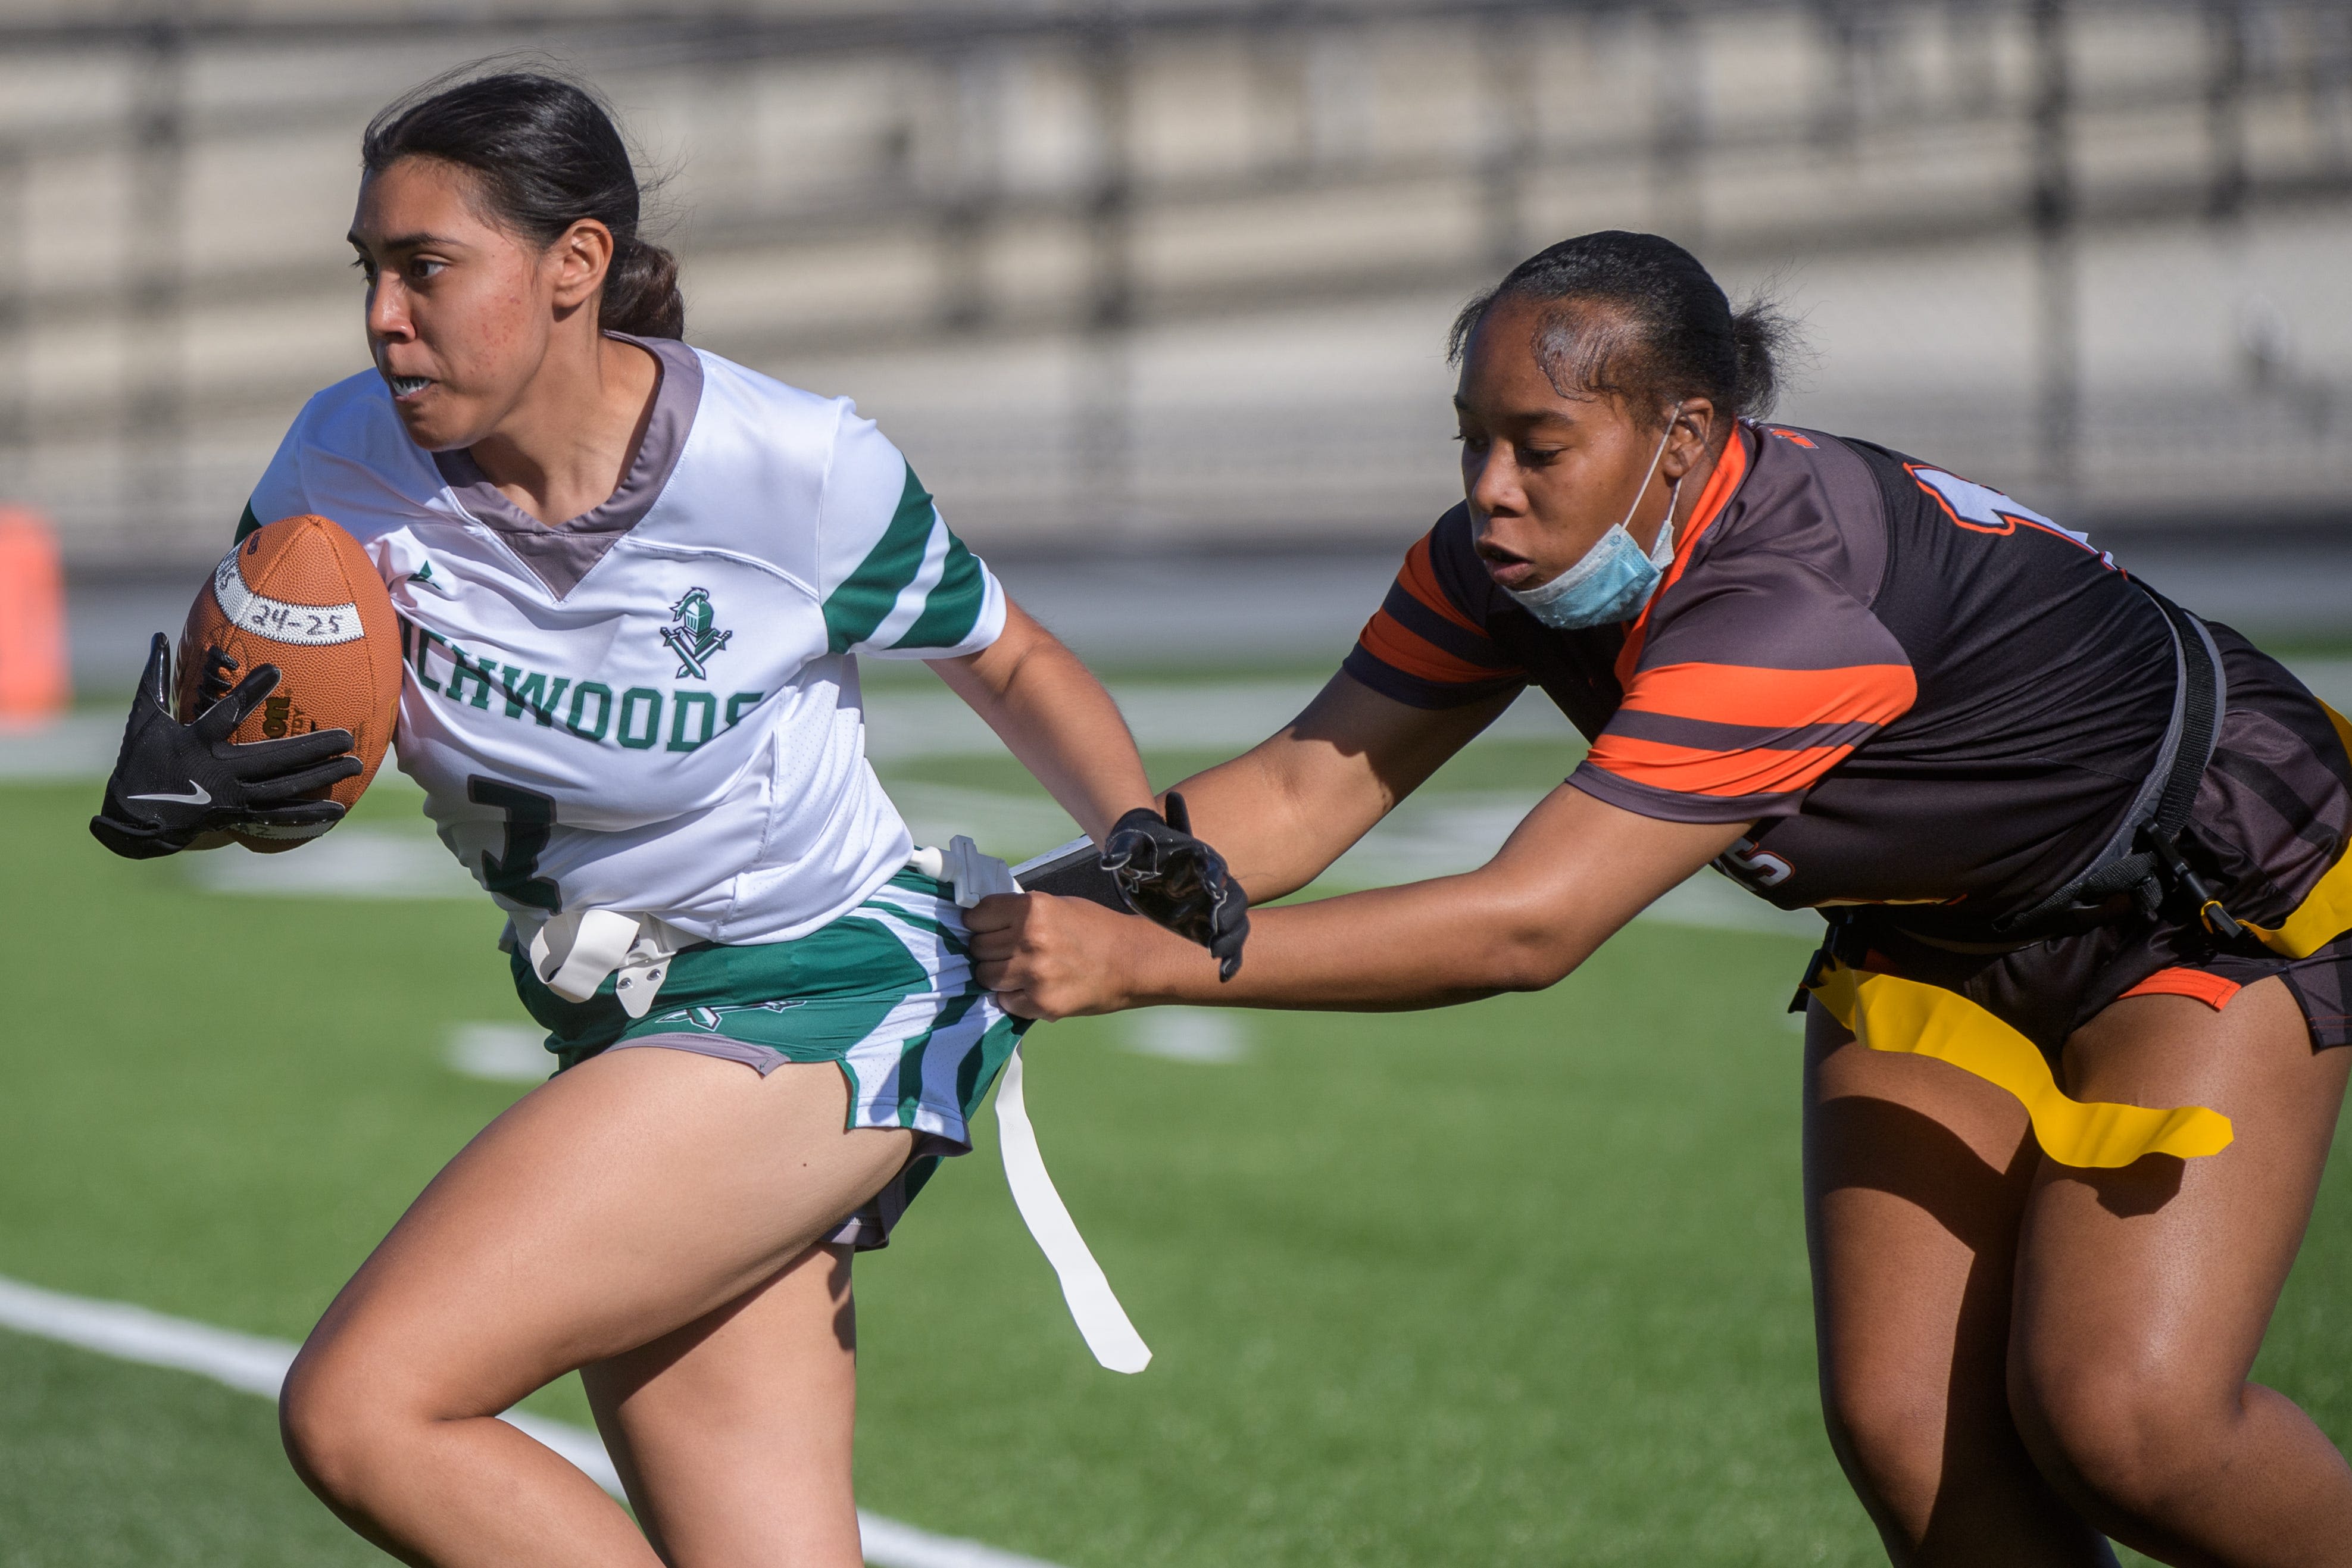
[(1147, 276)]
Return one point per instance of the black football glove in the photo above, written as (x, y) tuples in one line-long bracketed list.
[(1167, 875), (175, 781)]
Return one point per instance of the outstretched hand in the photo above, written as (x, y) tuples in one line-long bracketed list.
[(1056, 958), (1175, 881), (176, 782)]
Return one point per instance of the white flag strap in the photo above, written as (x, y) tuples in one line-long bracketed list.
[(1100, 1319)]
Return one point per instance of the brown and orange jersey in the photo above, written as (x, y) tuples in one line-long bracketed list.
[(1919, 690)]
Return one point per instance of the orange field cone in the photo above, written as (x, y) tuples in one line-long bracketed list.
[(33, 684)]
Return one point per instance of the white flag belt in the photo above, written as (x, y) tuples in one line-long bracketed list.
[(1093, 1304), (572, 952)]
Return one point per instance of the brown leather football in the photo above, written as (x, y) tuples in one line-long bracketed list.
[(300, 594)]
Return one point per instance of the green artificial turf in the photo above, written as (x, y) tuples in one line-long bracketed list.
[(1521, 1283), (1533, 766), (104, 1465)]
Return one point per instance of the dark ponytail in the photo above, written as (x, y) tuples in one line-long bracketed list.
[(1634, 316), (1760, 337), (641, 293), (546, 155)]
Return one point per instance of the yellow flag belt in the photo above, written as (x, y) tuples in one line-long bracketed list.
[(1887, 1013)]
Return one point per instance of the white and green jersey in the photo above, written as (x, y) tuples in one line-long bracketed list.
[(654, 708)]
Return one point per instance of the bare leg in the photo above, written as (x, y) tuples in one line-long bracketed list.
[(2144, 1293), (1916, 1176), (733, 1433), (625, 1199)]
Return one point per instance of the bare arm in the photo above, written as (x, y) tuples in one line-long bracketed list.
[(1052, 713), (1575, 871), (1284, 810)]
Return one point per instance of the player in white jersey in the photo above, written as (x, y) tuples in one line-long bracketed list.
[(634, 581)]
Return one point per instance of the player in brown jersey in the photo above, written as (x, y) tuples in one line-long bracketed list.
[(2075, 842)]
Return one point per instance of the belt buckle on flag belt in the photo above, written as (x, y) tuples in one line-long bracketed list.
[(2142, 857)]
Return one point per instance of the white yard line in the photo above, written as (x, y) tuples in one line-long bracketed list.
[(361, 861), (922, 721), (78, 747), (251, 1364)]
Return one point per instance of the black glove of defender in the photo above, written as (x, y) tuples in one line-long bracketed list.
[(174, 781), (1168, 877)]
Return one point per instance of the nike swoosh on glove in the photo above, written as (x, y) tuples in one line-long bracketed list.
[(175, 781), (1171, 877)]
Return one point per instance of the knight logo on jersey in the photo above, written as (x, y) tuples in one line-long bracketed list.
[(710, 1018), (693, 636)]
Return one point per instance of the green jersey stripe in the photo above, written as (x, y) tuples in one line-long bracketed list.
[(954, 605), (855, 609), (245, 524), (921, 922), (887, 931), (978, 1068), (941, 1033), (892, 632)]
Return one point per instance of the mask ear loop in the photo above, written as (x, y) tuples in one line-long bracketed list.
[(1663, 551)]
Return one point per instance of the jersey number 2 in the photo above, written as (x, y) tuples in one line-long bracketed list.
[(513, 871)]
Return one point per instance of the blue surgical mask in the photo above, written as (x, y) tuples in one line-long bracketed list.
[(1612, 581)]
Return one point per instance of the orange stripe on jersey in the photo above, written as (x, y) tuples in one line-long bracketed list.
[(1687, 770), (1397, 646), (1729, 469), (1419, 578), (1782, 699)]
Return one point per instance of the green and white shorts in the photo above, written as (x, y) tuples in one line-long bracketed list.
[(885, 991)]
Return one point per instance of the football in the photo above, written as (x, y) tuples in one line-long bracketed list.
[(300, 594)]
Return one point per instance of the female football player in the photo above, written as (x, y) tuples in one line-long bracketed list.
[(633, 581), (2084, 849)]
